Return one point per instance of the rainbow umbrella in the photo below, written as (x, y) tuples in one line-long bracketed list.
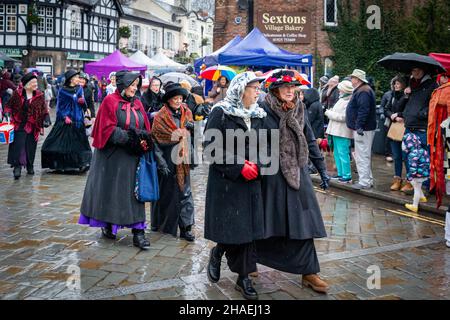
[(297, 75), (215, 72)]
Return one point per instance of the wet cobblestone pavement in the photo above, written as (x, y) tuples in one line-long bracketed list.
[(41, 244)]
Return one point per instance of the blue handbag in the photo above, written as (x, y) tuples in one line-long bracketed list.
[(147, 187)]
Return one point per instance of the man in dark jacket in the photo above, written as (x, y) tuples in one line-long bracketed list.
[(361, 117), (417, 99), (315, 111)]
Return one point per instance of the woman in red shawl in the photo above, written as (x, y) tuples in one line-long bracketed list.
[(29, 115), (121, 135)]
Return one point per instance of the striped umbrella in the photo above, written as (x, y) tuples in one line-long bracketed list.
[(215, 72)]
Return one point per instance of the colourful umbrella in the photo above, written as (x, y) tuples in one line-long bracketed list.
[(301, 78), (215, 72)]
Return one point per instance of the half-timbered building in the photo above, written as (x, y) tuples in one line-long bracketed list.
[(67, 34)]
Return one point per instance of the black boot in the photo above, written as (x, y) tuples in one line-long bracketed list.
[(187, 234), (245, 286), (107, 232), (17, 172), (30, 169), (215, 258), (139, 239)]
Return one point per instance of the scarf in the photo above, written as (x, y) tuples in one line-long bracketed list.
[(232, 104), (37, 111), (165, 131), (293, 146), (106, 120)]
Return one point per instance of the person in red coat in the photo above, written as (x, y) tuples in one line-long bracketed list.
[(28, 113), (121, 136)]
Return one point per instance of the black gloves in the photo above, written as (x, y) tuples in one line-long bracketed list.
[(139, 142), (360, 131), (325, 180), (47, 121)]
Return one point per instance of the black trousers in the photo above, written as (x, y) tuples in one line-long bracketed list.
[(241, 258)]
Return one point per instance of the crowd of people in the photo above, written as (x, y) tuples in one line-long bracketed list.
[(271, 219)]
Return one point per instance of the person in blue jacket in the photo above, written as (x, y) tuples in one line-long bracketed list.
[(361, 118)]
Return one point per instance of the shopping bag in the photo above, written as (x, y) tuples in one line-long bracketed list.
[(396, 131), (147, 185), (6, 133)]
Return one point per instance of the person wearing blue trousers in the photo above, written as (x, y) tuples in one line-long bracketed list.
[(340, 133)]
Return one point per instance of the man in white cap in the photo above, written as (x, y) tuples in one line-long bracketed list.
[(361, 118)]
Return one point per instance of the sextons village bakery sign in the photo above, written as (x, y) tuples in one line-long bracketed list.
[(285, 27)]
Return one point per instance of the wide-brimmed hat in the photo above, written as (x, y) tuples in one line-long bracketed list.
[(28, 77), (172, 90), (360, 74), (345, 86), (125, 78), (69, 75), (281, 78)]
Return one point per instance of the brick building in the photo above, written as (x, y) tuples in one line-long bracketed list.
[(239, 17)]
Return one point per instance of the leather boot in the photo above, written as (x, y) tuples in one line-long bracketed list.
[(245, 287), (17, 172), (107, 232), (314, 282), (215, 259), (407, 188), (139, 239), (396, 184), (186, 234)]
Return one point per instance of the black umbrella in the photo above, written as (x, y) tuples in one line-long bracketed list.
[(405, 62)]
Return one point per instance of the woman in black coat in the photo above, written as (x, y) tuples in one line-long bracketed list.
[(175, 207), (234, 206), (292, 217), (152, 98)]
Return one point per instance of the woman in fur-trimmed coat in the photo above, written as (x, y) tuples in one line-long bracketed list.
[(292, 217)]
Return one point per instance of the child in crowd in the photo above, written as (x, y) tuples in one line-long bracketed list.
[(419, 171)]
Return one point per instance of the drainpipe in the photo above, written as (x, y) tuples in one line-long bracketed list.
[(250, 14)]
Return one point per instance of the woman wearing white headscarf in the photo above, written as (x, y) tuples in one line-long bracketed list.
[(234, 212)]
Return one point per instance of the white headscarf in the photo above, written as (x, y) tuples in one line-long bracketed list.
[(232, 104)]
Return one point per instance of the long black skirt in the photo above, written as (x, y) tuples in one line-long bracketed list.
[(288, 255), (175, 207), (241, 258), (23, 150), (66, 148)]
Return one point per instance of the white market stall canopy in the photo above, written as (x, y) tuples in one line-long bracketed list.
[(165, 62), (142, 58)]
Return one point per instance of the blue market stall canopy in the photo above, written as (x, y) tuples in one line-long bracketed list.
[(256, 50)]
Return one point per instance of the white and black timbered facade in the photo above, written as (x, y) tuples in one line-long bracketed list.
[(69, 32)]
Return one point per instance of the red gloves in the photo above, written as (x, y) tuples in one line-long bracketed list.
[(81, 100), (67, 120), (249, 171)]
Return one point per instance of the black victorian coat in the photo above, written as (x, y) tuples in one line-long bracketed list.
[(292, 218), (234, 207)]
